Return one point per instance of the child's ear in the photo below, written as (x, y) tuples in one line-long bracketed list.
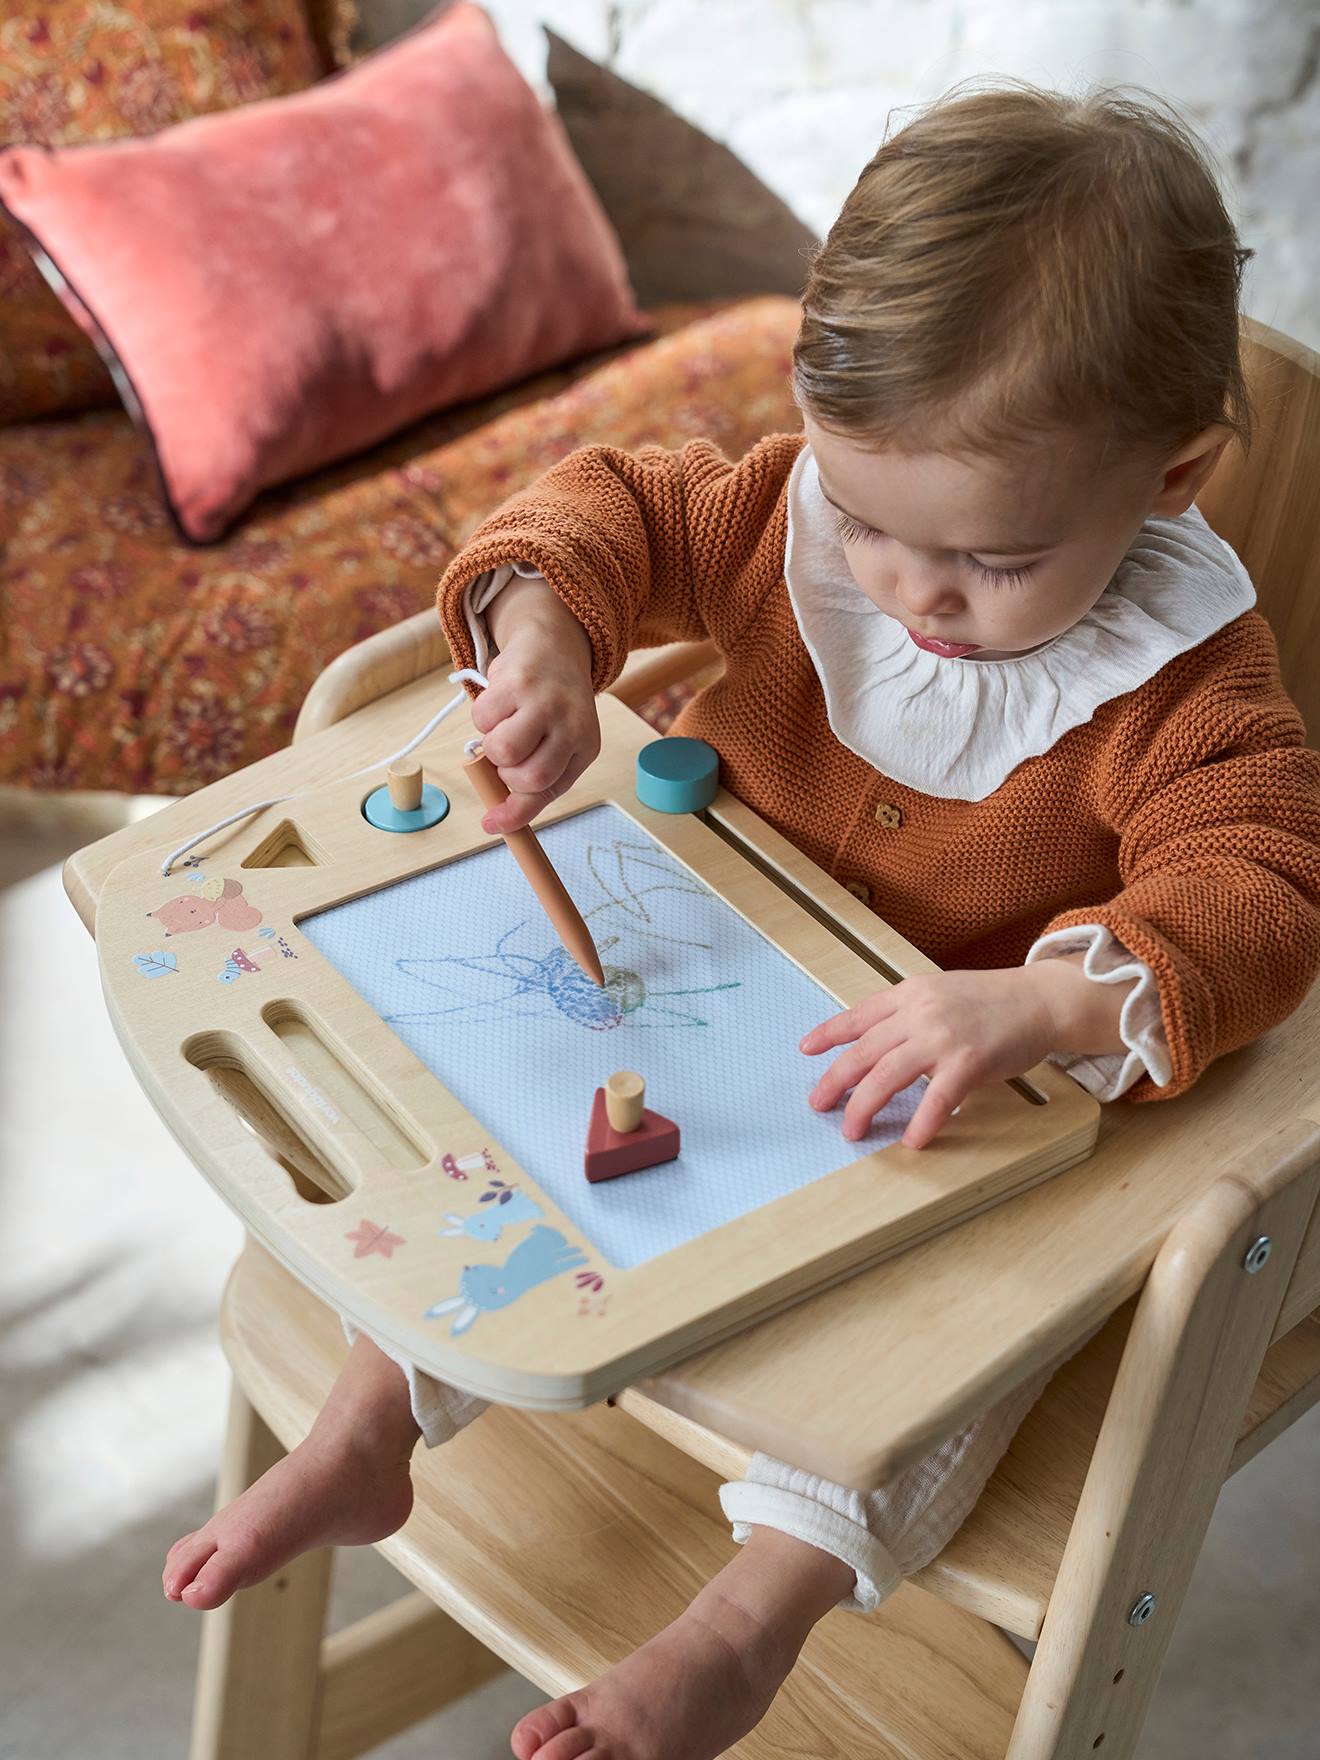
[(1188, 471)]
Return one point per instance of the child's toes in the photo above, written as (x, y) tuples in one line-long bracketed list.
[(220, 1575), (569, 1744), (183, 1561), (531, 1734)]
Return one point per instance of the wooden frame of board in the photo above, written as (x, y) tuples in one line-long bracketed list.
[(331, 1139)]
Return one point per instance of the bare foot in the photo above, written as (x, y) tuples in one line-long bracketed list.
[(700, 1685), (345, 1485)]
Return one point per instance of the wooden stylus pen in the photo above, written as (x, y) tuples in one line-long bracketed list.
[(535, 863)]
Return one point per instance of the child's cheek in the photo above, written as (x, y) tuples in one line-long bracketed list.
[(868, 572)]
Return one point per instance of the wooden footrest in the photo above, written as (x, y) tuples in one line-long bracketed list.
[(562, 1542)]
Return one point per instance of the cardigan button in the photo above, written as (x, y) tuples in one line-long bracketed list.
[(888, 815), (858, 890)]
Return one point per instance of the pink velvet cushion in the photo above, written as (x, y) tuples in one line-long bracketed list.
[(285, 284)]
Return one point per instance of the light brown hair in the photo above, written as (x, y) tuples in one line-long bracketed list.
[(1014, 261)]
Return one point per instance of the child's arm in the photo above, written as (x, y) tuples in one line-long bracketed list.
[(642, 548), (1215, 799), (1216, 802), (538, 718), (631, 550), (959, 1029)]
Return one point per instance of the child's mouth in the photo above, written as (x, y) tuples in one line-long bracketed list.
[(946, 650)]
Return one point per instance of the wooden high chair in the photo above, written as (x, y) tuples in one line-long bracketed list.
[(557, 1544)]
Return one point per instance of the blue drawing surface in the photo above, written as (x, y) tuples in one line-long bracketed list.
[(463, 965)]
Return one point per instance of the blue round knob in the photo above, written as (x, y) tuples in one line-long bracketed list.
[(379, 810), (677, 775)]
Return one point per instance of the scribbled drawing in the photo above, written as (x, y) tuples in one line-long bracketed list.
[(215, 901), (157, 964), (523, 984), (508, 1206), (516, 982), (544, 1254), (633, 877), (372, 1237)]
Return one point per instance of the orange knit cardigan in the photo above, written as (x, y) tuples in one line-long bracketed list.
[(1184, 816)]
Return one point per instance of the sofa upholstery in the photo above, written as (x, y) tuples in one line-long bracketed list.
[(130, 660)]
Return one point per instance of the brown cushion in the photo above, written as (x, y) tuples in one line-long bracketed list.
[(71, 73), (129, 660), (693, 221)]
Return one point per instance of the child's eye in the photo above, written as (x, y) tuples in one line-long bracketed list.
[(1003, 577), (852, 531)]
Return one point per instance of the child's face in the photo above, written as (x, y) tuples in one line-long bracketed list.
[(981, 556)]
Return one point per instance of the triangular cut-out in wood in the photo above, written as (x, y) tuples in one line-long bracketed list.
[(287, 846)]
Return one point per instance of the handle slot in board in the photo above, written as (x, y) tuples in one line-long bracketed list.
[(322, 1071), (217, 1056)]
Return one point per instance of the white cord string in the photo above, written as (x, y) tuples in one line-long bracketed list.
[(465, 675)]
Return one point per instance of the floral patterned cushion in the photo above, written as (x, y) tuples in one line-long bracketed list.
[(97, 70), (131, 661)]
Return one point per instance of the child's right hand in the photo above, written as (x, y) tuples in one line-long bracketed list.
[(538, 719)]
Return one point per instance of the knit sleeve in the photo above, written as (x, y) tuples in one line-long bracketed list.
[(647, 547), (1216, 802)]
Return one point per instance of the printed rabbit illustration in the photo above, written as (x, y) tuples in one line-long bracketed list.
[(543, 1255), (488, 1225)]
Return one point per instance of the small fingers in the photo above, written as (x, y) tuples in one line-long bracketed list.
[(518, 811), (543, 769), (874, 1092), (850, 1066), (849, 1024), (493, 705), (942, 1098), (513, 739)]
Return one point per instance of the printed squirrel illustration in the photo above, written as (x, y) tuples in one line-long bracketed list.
[(219, 901)]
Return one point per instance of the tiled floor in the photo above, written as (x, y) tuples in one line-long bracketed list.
[(113, 1393)]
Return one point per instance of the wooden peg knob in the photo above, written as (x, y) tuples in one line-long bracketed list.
[(625, 1097), (405, 785)]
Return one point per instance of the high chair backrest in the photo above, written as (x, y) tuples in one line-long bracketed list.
[(1266, 503)]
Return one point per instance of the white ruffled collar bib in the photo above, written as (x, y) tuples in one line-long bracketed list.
[(957, 728)]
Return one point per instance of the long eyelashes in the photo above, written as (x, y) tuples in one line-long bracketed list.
[(854, 532), (1003, 577)]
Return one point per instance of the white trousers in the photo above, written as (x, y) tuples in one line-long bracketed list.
[(884, 1535)]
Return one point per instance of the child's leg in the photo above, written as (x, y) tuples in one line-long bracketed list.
[(709, 1678), (345, 1485), (886, 1534)]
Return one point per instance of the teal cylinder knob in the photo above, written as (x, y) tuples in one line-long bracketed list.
[(677, 775)]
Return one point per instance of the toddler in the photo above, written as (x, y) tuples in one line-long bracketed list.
[(984, 662)]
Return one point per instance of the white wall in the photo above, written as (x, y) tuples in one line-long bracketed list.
[(800, 89)]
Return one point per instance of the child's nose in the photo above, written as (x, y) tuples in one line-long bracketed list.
[(923, 590)]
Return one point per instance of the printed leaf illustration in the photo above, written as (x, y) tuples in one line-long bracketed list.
[(157, 964)]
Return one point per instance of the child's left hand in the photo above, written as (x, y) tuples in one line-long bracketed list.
[(957, 1028)]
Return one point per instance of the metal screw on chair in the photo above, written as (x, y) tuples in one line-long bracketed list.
[(1257, 1253), (1142, 1611)]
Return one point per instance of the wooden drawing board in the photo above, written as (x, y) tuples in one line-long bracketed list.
[(401, 1202)]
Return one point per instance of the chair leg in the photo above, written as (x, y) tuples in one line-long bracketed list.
[(1202, 1325), (258, 1674)]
